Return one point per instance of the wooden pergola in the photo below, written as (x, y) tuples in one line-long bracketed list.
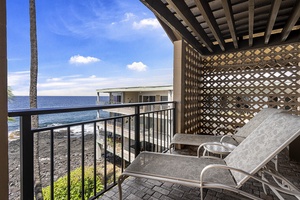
[(231, 59), (219, 26)]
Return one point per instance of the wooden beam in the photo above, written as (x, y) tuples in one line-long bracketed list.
[(272, 18), (258, 43), (230, 21), (161, 11), (171, 34), (187, 16), (208, 16), (291, 21), (251, 22)]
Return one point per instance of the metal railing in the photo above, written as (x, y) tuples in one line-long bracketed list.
[(113, 141)]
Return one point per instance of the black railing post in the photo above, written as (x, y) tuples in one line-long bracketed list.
[(174, 118), (27, 163), (137, 131)]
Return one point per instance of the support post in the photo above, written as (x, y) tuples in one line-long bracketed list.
[(178, 85), (174, 119), (137, 131), (3, 105), (27, 163)]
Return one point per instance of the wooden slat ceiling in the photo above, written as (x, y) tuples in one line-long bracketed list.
[(218, 26)]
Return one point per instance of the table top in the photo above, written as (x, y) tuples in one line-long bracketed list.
[(219, 148)]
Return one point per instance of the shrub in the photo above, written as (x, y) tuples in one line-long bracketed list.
[(61, 188)]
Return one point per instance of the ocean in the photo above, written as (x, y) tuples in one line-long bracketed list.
[(22, 102)]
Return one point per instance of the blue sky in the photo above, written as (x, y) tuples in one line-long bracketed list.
[(87, 45)]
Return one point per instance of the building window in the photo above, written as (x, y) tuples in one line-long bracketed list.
[(163, 98)]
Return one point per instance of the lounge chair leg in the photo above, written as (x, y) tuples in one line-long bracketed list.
[(201, 193), (275, 160), (170, 147), (120, 181), (263, 185)]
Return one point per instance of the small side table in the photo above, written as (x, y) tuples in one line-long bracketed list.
[(221, 148)]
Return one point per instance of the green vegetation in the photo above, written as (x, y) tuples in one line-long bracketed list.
[(9, 97), (60, 186), (9, 93)]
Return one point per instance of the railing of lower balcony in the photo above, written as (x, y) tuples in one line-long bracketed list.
[(112, 144)]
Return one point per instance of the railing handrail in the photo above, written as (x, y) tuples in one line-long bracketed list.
[(27, 138), (42, 111)]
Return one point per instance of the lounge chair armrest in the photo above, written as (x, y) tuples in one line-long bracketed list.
[(215, 130), (212, 157), (281, 189), (224, 127), (231, 136)]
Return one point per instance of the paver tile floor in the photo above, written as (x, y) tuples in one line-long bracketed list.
[(147, 189)]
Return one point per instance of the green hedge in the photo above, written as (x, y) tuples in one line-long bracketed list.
[(61, 189)]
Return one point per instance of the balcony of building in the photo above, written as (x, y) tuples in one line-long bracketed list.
[(141, 94), (231, 59), (121, 138), (103, 146)]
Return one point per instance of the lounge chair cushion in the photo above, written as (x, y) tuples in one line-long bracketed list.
[(252, 154), (242, 133), (172, 168), (249, 127)]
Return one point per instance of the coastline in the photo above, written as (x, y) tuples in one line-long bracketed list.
[(60, 158)]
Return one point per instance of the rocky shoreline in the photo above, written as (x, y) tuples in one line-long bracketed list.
[(60, 158)]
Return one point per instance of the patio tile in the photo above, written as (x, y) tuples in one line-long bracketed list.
[(147, 189)]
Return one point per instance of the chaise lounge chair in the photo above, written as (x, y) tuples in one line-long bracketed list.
[(237, 138), (243, 163)]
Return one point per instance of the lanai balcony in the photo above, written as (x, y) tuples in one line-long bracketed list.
[(232, 58)]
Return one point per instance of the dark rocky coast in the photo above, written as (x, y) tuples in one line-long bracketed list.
[(60, 158)]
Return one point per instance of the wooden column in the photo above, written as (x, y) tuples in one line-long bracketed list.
[(178, 84), (3, 104)]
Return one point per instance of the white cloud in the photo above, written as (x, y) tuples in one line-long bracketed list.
[(53, 79), (97, 18), (83, 60), (19, 82), (74, 85), (71, 85), (144, 23), (17, 78), (128, 17), (137, 66)]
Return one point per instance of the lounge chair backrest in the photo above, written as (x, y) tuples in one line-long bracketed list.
[(255, 122), (266, 141)]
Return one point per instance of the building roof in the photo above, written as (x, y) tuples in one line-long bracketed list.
[(217, 26), (136, 89)]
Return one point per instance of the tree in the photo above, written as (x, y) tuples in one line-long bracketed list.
[(33, 96), (9, 97), (9, 93)]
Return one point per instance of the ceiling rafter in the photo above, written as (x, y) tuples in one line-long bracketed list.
[(162, 12), (272, 18), (251, 22), (208, 16), (291, 21), (187, 16), (238, 24), (230, 21)]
